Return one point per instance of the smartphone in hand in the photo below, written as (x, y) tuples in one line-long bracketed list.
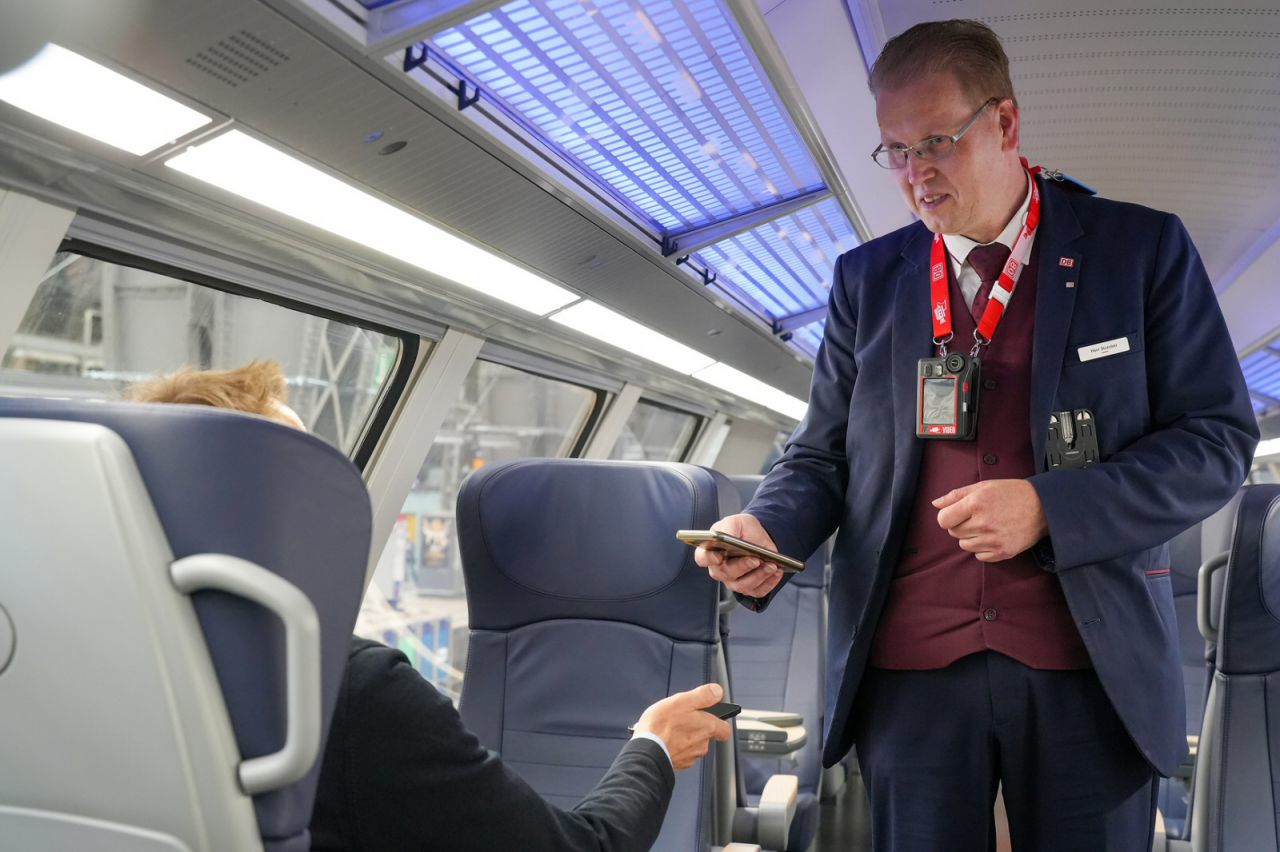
[(716, 540)]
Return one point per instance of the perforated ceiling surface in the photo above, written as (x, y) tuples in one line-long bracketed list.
[(1171, 105)]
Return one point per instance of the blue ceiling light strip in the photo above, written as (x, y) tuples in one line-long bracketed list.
[(661, 102), (1262, 374), (809, 338), (785, 265)]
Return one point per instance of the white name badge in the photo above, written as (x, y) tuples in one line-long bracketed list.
[(1103, 349)]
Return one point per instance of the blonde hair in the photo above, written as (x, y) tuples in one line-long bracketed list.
[(256, 388), (968, 50)]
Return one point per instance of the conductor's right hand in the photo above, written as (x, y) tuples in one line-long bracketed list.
[(746, 575)]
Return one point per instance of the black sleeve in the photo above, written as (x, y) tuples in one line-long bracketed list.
[(401, 772)]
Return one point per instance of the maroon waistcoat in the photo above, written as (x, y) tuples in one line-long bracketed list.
[(944, 604)]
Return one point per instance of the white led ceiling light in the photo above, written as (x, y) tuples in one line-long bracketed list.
[(79, 94), (1267, 448), (739, 383), (242, 165), (595, 320)]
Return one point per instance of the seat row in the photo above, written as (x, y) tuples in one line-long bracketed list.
[(179, 588), (1226, 583)]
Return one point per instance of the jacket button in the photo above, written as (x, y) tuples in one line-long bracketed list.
[(990, 458), (990, 384), (989, 615)]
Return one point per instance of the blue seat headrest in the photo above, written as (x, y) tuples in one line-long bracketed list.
[(1249, 633), (568, 538)]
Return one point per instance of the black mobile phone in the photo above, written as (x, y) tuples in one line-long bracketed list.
[(723, 710), (716, 540)]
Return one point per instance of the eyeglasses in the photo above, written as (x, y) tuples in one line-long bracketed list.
[(930, 148)]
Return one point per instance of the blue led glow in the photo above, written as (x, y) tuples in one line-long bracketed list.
[(809, 338), (662, 103), (785, 265), (1262, 374)]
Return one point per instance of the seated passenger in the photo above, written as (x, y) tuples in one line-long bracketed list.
[(401, 771)]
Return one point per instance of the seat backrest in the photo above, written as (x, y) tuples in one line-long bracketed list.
[(129, 703), (777, 661), (1237, 781), (585, 609), (1184, 568)]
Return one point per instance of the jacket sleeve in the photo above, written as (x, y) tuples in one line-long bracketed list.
[(1202, 436), (799, 503), (416, 778)]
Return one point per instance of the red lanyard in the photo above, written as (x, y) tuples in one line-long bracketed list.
[(1001, 291)]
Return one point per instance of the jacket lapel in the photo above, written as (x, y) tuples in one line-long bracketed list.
[(1059, 275), (912, 340)]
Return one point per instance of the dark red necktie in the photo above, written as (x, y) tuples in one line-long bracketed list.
[(987, 261)]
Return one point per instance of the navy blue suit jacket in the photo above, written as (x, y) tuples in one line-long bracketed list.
[(1175, 427)]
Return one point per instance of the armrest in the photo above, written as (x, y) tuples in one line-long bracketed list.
[(777, 809), (780, 718), (737, 847), (763, 738)]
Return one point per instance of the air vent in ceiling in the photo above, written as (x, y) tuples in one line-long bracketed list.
[(238, 58)]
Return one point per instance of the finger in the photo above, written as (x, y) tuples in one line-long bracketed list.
[(705, 695), (760, 587), (721, 730), (734, 569), (952, 497), (707, 558), (954, 515)]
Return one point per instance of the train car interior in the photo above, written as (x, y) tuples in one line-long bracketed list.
[(546, 280)]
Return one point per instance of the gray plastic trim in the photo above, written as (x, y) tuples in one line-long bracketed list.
[(1206, 605), (28, 828), (302, 659)]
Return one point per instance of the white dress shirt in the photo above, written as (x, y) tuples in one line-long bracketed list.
[(958, 248)]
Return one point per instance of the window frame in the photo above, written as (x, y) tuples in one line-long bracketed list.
[(389, 395), (700, 421)]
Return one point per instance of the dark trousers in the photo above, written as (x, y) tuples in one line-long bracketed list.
[(934, 745)]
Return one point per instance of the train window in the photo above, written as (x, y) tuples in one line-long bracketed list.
[(655, 432), (96, 326), (416, 601), (776, 449)]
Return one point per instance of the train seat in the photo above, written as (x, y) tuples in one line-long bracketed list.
[(584, 609), (176, 601), (777, 661), (1237, 779), (1184, 563)]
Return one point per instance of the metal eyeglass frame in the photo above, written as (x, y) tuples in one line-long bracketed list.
[(932, 141)]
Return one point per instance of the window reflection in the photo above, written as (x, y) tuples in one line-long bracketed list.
[(95, 327)]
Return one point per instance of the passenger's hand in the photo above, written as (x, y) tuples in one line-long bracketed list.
[(746, 575), (994, 520), (683, 726)]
